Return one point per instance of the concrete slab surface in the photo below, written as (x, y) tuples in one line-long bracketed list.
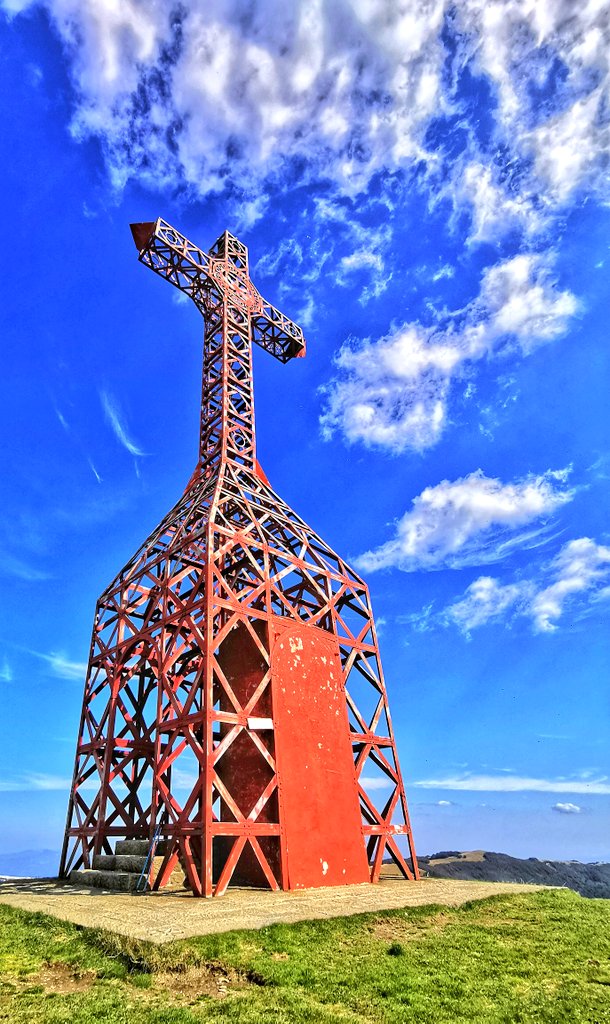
[(160, 917)]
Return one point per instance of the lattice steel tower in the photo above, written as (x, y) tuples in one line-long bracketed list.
[(234, 698)]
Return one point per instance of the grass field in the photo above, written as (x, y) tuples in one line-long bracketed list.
[(543, 957)]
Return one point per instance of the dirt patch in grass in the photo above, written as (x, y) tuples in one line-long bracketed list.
[(389, 928), (56, 978), (187, 987)]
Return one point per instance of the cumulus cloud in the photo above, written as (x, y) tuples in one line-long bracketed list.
[(471, 521), (516, 784), (580, 567), (576, 579), (567, 808), (394, 392), (224, 94), (548, 63), (487, 600), (241, 100)]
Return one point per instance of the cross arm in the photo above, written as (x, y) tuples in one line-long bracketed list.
[(196, 273), (173, 257), (277, 334)]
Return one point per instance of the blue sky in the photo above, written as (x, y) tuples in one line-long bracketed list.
[(424, 188)]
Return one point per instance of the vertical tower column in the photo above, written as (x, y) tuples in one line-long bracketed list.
[(227, 400)]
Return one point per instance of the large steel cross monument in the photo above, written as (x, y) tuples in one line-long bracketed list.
[(234, 702)]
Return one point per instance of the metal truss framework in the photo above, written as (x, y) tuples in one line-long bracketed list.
[(185, 701)]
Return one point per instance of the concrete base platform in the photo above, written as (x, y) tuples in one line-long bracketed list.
[(160, 917)]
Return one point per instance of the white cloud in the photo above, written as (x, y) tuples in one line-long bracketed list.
[(495, 210), (288, 251), (394, 393), (61, 666), (575, 577), (579, 567), (366, 260), (516, 784), (519, 301), (567, 808), (375, 783), (62, 419), (34, 781), (219, 93), (94, 470), (520, 45), (445, 271), (113, 415), (471, 521), (573, 146), (485, 601), (10, 565), (6, 672)]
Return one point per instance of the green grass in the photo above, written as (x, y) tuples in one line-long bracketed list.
[(542, 957)]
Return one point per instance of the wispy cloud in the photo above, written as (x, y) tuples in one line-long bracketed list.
[(375, 783), (471, 521), (94, 471), (62, 419), (114, 418), (34, 781), (61, 666), (516, 784), (6, 672), (13, 566), (370, 262)]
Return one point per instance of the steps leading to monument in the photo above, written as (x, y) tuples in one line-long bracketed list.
[(118, 881), (121, 871)]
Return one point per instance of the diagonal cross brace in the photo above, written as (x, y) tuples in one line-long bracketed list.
[(224, 269)]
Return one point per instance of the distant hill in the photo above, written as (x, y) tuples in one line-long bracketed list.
[(30, 864), (592, 880)]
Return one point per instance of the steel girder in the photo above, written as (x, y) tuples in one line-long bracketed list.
[(211, 707)]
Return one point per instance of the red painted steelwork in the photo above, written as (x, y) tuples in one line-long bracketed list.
[(262, 761)]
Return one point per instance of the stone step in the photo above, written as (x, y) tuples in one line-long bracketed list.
[(135, 847), (104, 862), (122, 862), (118, 881), (132, 847), (127, 862)]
